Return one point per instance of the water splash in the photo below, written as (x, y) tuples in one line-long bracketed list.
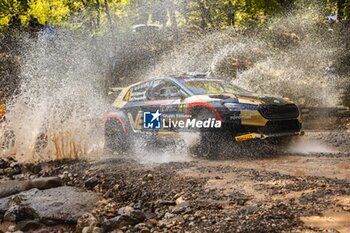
[(307, 146), (57, 113), (285, 58)]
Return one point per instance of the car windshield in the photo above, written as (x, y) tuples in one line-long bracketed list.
[(212, 86)]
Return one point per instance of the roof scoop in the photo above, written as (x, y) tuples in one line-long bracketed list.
[(222, 97)]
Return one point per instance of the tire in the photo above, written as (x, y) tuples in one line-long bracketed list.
[(210, 142), (116, 140)]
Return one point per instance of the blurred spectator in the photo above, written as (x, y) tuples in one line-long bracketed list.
[(48, 34)]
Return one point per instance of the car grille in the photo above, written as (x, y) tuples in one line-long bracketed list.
[(279, 111)]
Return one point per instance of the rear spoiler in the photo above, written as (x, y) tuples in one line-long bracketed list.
[(115, 91)]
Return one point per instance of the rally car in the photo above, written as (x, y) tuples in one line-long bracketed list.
[(194, 102)]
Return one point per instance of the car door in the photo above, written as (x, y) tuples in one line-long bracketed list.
[(165, 96)]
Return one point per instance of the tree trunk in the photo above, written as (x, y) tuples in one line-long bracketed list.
[(173, 18), (341, 6), (205, 15), (90, 19), (231, 14), (109, 19), (98, 19)]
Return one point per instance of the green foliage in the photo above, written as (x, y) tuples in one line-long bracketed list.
[(190, 14), (54, 11), (9, 8), (347, 9)]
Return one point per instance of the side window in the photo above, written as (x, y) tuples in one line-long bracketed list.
[(138, 92), (164, 89)]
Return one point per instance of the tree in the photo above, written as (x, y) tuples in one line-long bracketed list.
[(11, 10)]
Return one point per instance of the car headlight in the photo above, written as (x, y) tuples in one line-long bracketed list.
[(238, 106)]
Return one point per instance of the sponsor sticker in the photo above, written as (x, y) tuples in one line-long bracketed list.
[(151, 120), (245, 137)]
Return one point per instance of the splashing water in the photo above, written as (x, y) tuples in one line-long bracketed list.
[(287, 58), (57, 113), (304, 146), (171, 152)]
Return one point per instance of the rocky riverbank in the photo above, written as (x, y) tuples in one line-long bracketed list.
[(284, 193)]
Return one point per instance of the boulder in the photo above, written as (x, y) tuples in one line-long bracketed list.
[(86, 220), (57, 205), (28, 225), (91, 182), (132, 218), (14, 187)]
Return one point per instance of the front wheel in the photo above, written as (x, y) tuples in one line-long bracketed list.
[(210, 142)]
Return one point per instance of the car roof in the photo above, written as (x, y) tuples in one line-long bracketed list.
[(186, 75), (190, 75)]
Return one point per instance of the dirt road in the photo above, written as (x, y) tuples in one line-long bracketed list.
[(304, 189)]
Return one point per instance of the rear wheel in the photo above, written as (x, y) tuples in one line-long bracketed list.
[(116, 140)]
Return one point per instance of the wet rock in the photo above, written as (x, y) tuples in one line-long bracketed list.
[(168, 215), (4, 206), (11, 228), (165, 202), (10, 167), (27, 225), (180, 208), (133, 218), (86, 220), (142, 227), (43, 183), (106, 208), (148, 177), (179, 200), (11, 187), (35, 168), (127, 210), (4, 163), (248, 210), (11, 171), (91, 182), (92, 230), (14, 187), (11, 214), (331, 230), (61, 204)]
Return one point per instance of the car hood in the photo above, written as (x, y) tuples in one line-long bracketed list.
[(245, 99)]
